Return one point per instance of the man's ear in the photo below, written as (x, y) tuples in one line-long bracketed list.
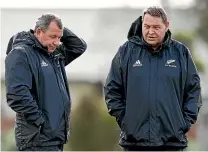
[(37, 31)]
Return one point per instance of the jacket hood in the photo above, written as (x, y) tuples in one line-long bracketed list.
[(24, 38), (135, 33)]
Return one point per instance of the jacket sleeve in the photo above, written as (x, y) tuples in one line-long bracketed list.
[(72, 46), (114, 90), (18, 79), (192, 93)]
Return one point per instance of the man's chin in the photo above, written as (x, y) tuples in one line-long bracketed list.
[(151, 42), (51, 51)]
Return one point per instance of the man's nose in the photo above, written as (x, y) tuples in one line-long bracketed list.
[(56, 42), (151, 31)]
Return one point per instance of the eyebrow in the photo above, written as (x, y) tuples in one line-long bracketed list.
[(152, 25)]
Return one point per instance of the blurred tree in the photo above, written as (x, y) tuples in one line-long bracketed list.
[(187, 39), (91, 126), (201, 7)]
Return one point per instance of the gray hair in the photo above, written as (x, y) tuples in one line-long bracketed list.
[(156, 11), (44, 21)]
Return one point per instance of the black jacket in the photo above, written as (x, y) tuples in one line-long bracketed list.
[(37, 88), (154, 95)]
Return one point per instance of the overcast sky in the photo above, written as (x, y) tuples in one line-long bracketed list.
[(89, 3)]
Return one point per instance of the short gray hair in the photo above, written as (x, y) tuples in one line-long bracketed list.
[(44, 21), (156, 11)]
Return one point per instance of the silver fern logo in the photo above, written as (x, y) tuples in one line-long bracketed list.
[(171, 63)]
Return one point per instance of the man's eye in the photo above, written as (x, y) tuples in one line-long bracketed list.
[(157, 27), (53, 37)]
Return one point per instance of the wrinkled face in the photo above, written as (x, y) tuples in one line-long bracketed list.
[(50, 37), (154, 29)]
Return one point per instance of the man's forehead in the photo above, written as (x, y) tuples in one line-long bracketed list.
[(148, 17), (54, 29), (54, 26), (156, 21)]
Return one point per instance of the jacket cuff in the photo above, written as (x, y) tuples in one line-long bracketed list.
[(39, 121), (66, 33)]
